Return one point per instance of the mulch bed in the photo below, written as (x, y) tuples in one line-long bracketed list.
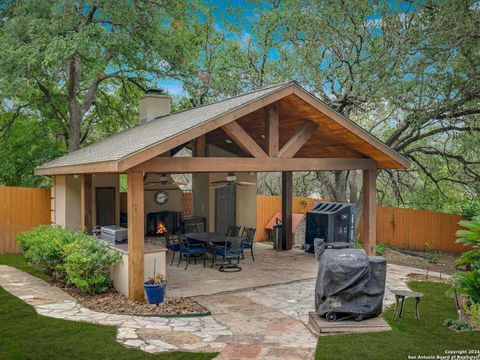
[(445, 265), (463, 299), (113, 302), (425, 277)]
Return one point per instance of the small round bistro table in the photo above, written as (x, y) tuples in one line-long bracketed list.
[(400, 296)]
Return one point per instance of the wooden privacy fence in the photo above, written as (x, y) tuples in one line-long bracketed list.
[(21, 209), (267, 206), (24, 208), (417, 229), (402, 228)]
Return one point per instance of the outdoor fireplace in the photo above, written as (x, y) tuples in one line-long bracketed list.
[(159, 223)]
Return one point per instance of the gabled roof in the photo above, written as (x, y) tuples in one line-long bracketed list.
[(145, 137)]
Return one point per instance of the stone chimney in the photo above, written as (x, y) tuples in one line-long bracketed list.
[(153, 103)]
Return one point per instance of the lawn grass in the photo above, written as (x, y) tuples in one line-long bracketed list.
[(429, 337), (26, 335), (18, 261)]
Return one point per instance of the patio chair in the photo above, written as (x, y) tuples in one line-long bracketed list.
[(233, 230), (172, 244), (189, 228), (248, 236), (231, 250), (188, 249)]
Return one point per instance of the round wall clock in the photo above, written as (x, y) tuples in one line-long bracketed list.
[(161, 197)]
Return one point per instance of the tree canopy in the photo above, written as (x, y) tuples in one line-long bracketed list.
[(71, 73)]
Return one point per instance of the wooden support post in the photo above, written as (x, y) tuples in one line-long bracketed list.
[(287, 210), (199, 146), (136, 235), (271, 130), (86, 221), (369, 211)]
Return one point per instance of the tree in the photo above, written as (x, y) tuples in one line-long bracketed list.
[(407, 74), (65, 60)]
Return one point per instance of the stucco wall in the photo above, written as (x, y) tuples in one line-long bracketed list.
[(174, 202), (119, 272), (200, 194), (67, 201), (246, 200), (67, 198), (204, 196)]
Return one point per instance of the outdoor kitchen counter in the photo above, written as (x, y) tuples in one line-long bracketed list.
[(147, 249), (154, 263)]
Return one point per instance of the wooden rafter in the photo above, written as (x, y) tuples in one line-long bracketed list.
[(199, 146), (272, 130), (220, 164), (216, 122), (298, 140), (243, 140)]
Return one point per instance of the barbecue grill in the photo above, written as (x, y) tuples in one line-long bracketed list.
[(349, 284), (332, 222)]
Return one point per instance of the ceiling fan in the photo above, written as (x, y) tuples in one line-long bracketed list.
[(163, 179), (230, 179)]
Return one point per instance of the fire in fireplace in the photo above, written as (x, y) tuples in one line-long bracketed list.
[(161, 228), (158, 223)]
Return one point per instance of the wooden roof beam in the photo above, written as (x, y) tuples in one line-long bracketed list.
[(182, 165), (272, 130), (298, 140), (243, 140)]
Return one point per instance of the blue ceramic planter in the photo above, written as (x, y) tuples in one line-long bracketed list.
[(155, 293)]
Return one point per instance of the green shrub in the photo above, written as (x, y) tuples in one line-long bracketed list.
[(468, 283), (456, 325), (469, 237), (43, 246), (70, 256), (380, 249), (473, 309), (87, 264), (471, 208), (433, 256)]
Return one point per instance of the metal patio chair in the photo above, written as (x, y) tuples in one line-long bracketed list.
[(189, 228), (231, 250), (233, 230), (172, 244), (248, 236), (189, 249)]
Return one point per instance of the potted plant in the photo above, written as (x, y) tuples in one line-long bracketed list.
[(155, 288)]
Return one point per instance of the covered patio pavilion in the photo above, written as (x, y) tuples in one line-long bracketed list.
[(281, 128)]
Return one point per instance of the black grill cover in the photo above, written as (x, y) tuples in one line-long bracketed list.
[(349, 282)]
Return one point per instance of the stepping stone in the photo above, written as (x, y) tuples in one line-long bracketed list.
[(321, 326)]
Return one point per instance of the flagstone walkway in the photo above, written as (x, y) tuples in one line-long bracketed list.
[(265, 323)]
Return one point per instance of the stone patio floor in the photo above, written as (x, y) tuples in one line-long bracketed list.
[(263, 322)]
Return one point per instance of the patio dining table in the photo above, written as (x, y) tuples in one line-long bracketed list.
[(207, 237), (210, 239)]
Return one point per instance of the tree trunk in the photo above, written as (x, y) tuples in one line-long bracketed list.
[(76, 115), (74, 131)]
